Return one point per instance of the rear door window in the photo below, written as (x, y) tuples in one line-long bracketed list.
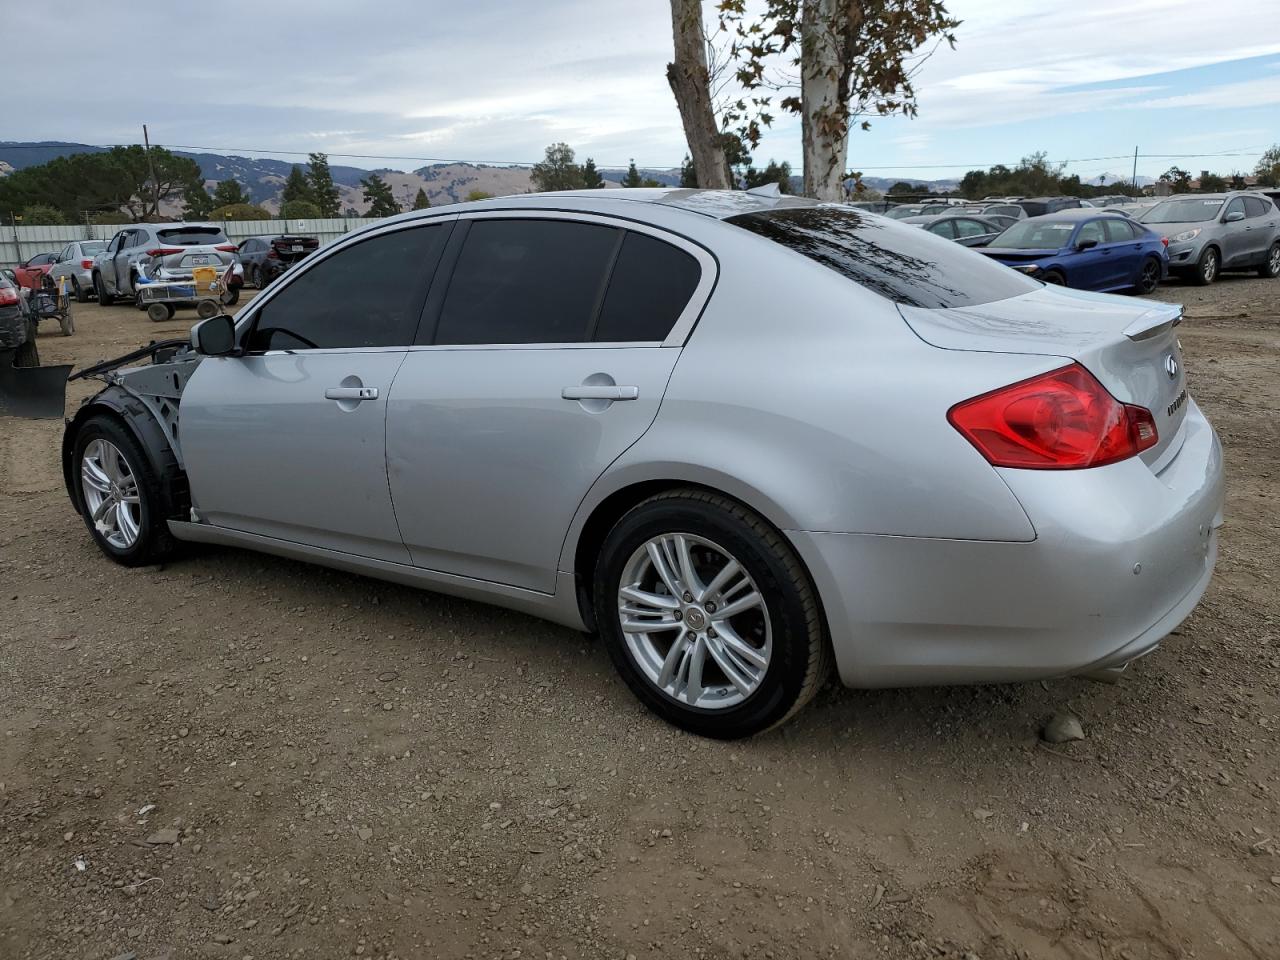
[(899, 262), (1256, 207), (943, 228), (367, 295), (1119, 231), (651, 284), (969, 228), (527, 281)]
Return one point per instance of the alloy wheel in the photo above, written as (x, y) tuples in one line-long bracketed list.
[(1274, 262), (1150, 276), (1210, 268), (694, 621), (111, 494)]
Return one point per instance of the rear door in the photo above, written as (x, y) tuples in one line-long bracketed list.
[(545, 356), (1259, 227), (1124, 253)]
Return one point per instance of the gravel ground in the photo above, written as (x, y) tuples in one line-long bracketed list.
[(239, 756)]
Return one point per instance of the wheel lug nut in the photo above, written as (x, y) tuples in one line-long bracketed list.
[(688, 597), (711, 633), (711, 607)]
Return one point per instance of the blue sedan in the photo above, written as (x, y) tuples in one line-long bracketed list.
[(1079, 248)]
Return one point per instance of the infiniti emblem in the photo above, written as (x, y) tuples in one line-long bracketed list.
[(1171, 367)]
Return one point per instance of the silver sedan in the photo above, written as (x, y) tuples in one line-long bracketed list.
[(740, 437), (75, 262)]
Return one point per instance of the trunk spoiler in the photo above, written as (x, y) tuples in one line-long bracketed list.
[(1154, 322)]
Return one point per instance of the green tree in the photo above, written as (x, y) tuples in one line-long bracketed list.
[(421, 201), (479, 195), (42, 213), (688, 174), (591, 178), (239, 211), (736, 157), (902, 188), (1268, 169), (296, 187), (324, 192), (227, 193), (299, 210), (197, 203), (557, 171), (1211, 182), (377, 193), (1178, 178), (779, 173), (633, 178)]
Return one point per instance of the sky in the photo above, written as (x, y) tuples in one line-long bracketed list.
[(407, 82)]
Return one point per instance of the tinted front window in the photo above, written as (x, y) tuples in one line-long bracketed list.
[(192, 236), (970, 228), (899, 262), (1092, 232), (1183, 211), (367, 295), (648, 290), (1119, 231), (1035, 235), (526, 281)]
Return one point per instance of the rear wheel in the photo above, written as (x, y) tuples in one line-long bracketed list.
[(1149, 277), (120, 495), (67, 324), (1206, 268), (1270, 268), (104, 299), (1055, 277), (159, 312), (708, 615), (79, 291)]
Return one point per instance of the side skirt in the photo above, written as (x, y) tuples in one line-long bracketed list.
[(561, 607)]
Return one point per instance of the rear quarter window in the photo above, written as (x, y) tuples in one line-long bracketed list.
[(899, 262)]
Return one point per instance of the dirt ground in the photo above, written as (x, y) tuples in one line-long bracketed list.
[(240, 756)]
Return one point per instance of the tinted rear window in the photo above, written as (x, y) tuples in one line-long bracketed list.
[(651, 283), (899, 262), (89, 247), (192, 236)]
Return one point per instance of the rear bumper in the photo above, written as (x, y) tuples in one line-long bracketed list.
[(1121, 557)]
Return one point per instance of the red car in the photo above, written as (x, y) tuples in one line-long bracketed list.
[(30, 273)]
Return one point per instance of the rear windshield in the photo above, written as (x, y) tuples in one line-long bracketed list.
[(1036, 234), (192, 236), (92, 246), (899, 262), (1183, 211)]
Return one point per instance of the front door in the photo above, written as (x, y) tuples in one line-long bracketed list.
[(1235, 235), (288, 441), (544, 361)]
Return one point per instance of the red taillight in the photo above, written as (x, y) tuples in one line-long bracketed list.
[(272, 254), (1165, 241), (163, 251), (86, 264), (8, 297), (227, 247), (1061, 420)]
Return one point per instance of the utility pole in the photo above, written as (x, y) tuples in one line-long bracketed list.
[(1135, 169), (151, 168)]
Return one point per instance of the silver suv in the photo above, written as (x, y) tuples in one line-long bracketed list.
[(160, 250), (1212, 232)]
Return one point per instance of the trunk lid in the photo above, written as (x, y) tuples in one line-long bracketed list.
[(1130, 345), (292, 249)]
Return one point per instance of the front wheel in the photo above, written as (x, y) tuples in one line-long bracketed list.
[(1149, 277), (1206, 268), (1270, 268), (1055, 277), (708, 615), (123, 500)]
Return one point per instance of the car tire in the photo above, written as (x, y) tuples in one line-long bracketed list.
[(1055, 277), (79, 291), (1148, 276), (132, 532), (788, 657), (1270, 268), (27, 355), (104, 299), (159, 312), (1207, 267)]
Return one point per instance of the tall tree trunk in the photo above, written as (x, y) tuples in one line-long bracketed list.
[(691, 84), (824, 108)]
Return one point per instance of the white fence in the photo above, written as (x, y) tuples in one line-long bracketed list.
[(17, 244)]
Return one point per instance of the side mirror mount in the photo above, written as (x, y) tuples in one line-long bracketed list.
[(215, 337), (1086, 244), (1235, 216)]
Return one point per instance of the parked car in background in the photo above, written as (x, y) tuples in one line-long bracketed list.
[(1039, 206), (75, 261), (970, 231), (165, 250), (904, 210), (1211, 232), (585, 446), (17, 325), (265, 258), (1084, 249), (31, 271), (1003, 210)]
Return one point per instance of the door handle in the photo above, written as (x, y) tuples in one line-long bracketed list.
[(600, 392), (351, 393)]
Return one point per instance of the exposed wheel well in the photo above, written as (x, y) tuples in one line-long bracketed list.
[(610, 510)]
